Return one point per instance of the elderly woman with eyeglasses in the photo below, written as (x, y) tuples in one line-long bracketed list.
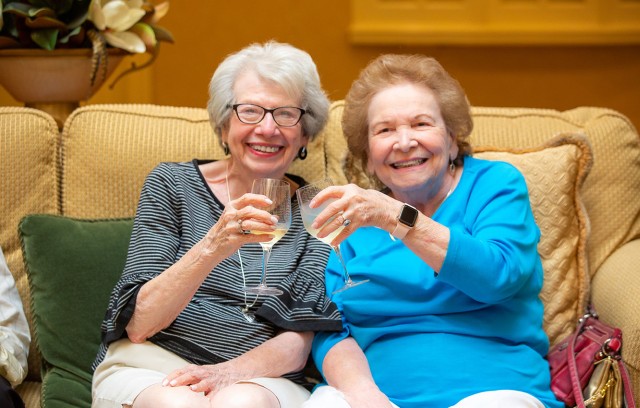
[(180, 330)]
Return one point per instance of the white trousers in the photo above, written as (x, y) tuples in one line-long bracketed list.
[(129, 368), (327, 396)]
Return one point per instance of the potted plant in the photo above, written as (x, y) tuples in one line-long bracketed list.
[(62, 51)]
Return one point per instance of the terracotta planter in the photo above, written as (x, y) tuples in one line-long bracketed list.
[(54, 81)]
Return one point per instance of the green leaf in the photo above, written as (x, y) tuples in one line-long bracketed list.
[(71, 33), (46, 38), (19, 9), (10, 25)]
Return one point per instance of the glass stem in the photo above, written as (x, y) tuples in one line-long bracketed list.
[(266, 253), (346, 276)]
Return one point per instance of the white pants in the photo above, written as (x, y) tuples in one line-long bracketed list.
[(129, 368), (327, 396)]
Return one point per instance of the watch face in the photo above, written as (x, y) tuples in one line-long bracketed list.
[(408, 215)]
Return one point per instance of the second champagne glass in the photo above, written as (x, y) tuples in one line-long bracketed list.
[(305, 195), (279, 192)]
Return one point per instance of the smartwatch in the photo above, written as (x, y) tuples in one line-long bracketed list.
[(406, 221)]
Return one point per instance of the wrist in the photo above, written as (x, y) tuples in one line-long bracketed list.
[(405, 221)]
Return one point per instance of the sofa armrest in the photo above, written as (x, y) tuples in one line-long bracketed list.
[(615, 293)]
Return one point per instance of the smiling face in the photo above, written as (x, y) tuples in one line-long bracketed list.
[(409, 145), (263, 149)]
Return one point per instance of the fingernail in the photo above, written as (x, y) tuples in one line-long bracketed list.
[(173, 382), (165, 382), (274, 219), (268, 201)]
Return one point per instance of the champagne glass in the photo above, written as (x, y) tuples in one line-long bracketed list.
[(305, 195), (279, 192)]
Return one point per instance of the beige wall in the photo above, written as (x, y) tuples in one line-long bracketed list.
[(534, 76)]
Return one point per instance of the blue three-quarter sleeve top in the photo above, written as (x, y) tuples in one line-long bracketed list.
[(432, 340)]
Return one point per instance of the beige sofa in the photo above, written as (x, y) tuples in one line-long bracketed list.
[(582, 167)]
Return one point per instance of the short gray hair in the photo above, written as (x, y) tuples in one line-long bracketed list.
[(285, 65)]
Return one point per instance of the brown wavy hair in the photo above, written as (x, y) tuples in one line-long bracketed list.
[(392, 69)]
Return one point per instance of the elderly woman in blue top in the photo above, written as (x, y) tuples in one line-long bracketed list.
[(451, 314), (180, 331)]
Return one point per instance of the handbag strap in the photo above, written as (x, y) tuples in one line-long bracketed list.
[(626, 385), (573, 369), (571, 362)]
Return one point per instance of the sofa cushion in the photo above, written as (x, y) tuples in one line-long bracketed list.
[(554, 173), (28, 154), (117, 145), (612, 185), (72, 266)]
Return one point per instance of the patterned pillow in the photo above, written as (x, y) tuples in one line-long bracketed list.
[(554, 174)]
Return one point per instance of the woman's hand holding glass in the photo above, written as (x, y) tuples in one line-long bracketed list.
[(330, 227), (279, 192)]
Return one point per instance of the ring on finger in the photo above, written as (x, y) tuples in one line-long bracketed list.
[(346, 222), (240, 229)]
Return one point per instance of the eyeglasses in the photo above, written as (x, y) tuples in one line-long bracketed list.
[(285, 116)]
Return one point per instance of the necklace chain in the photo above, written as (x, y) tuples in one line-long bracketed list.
[(247, 306)]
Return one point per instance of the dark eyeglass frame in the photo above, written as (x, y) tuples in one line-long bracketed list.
[(265, 111)]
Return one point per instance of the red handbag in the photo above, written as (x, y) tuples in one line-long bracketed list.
[(572, 364)]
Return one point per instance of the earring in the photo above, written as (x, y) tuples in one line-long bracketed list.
[(452, 167), (302, 153), (225, 148)]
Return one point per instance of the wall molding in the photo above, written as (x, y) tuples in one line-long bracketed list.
[(495, 22)]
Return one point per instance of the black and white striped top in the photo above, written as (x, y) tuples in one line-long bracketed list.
[(176, 209)]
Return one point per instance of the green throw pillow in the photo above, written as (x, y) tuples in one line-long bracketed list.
[(72, 265)]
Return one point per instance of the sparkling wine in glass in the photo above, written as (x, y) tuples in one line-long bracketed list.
[(279, 192), (305, 195)]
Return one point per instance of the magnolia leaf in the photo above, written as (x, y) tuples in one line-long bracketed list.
[(125, 40), (39, 3), (44, 22), (77, 15), (42, 12), (146, 34), (19, 9), (10, 27), (8, 42), (162, 34), (60, 6), (64, 6), (46, 38), (75, 31)]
